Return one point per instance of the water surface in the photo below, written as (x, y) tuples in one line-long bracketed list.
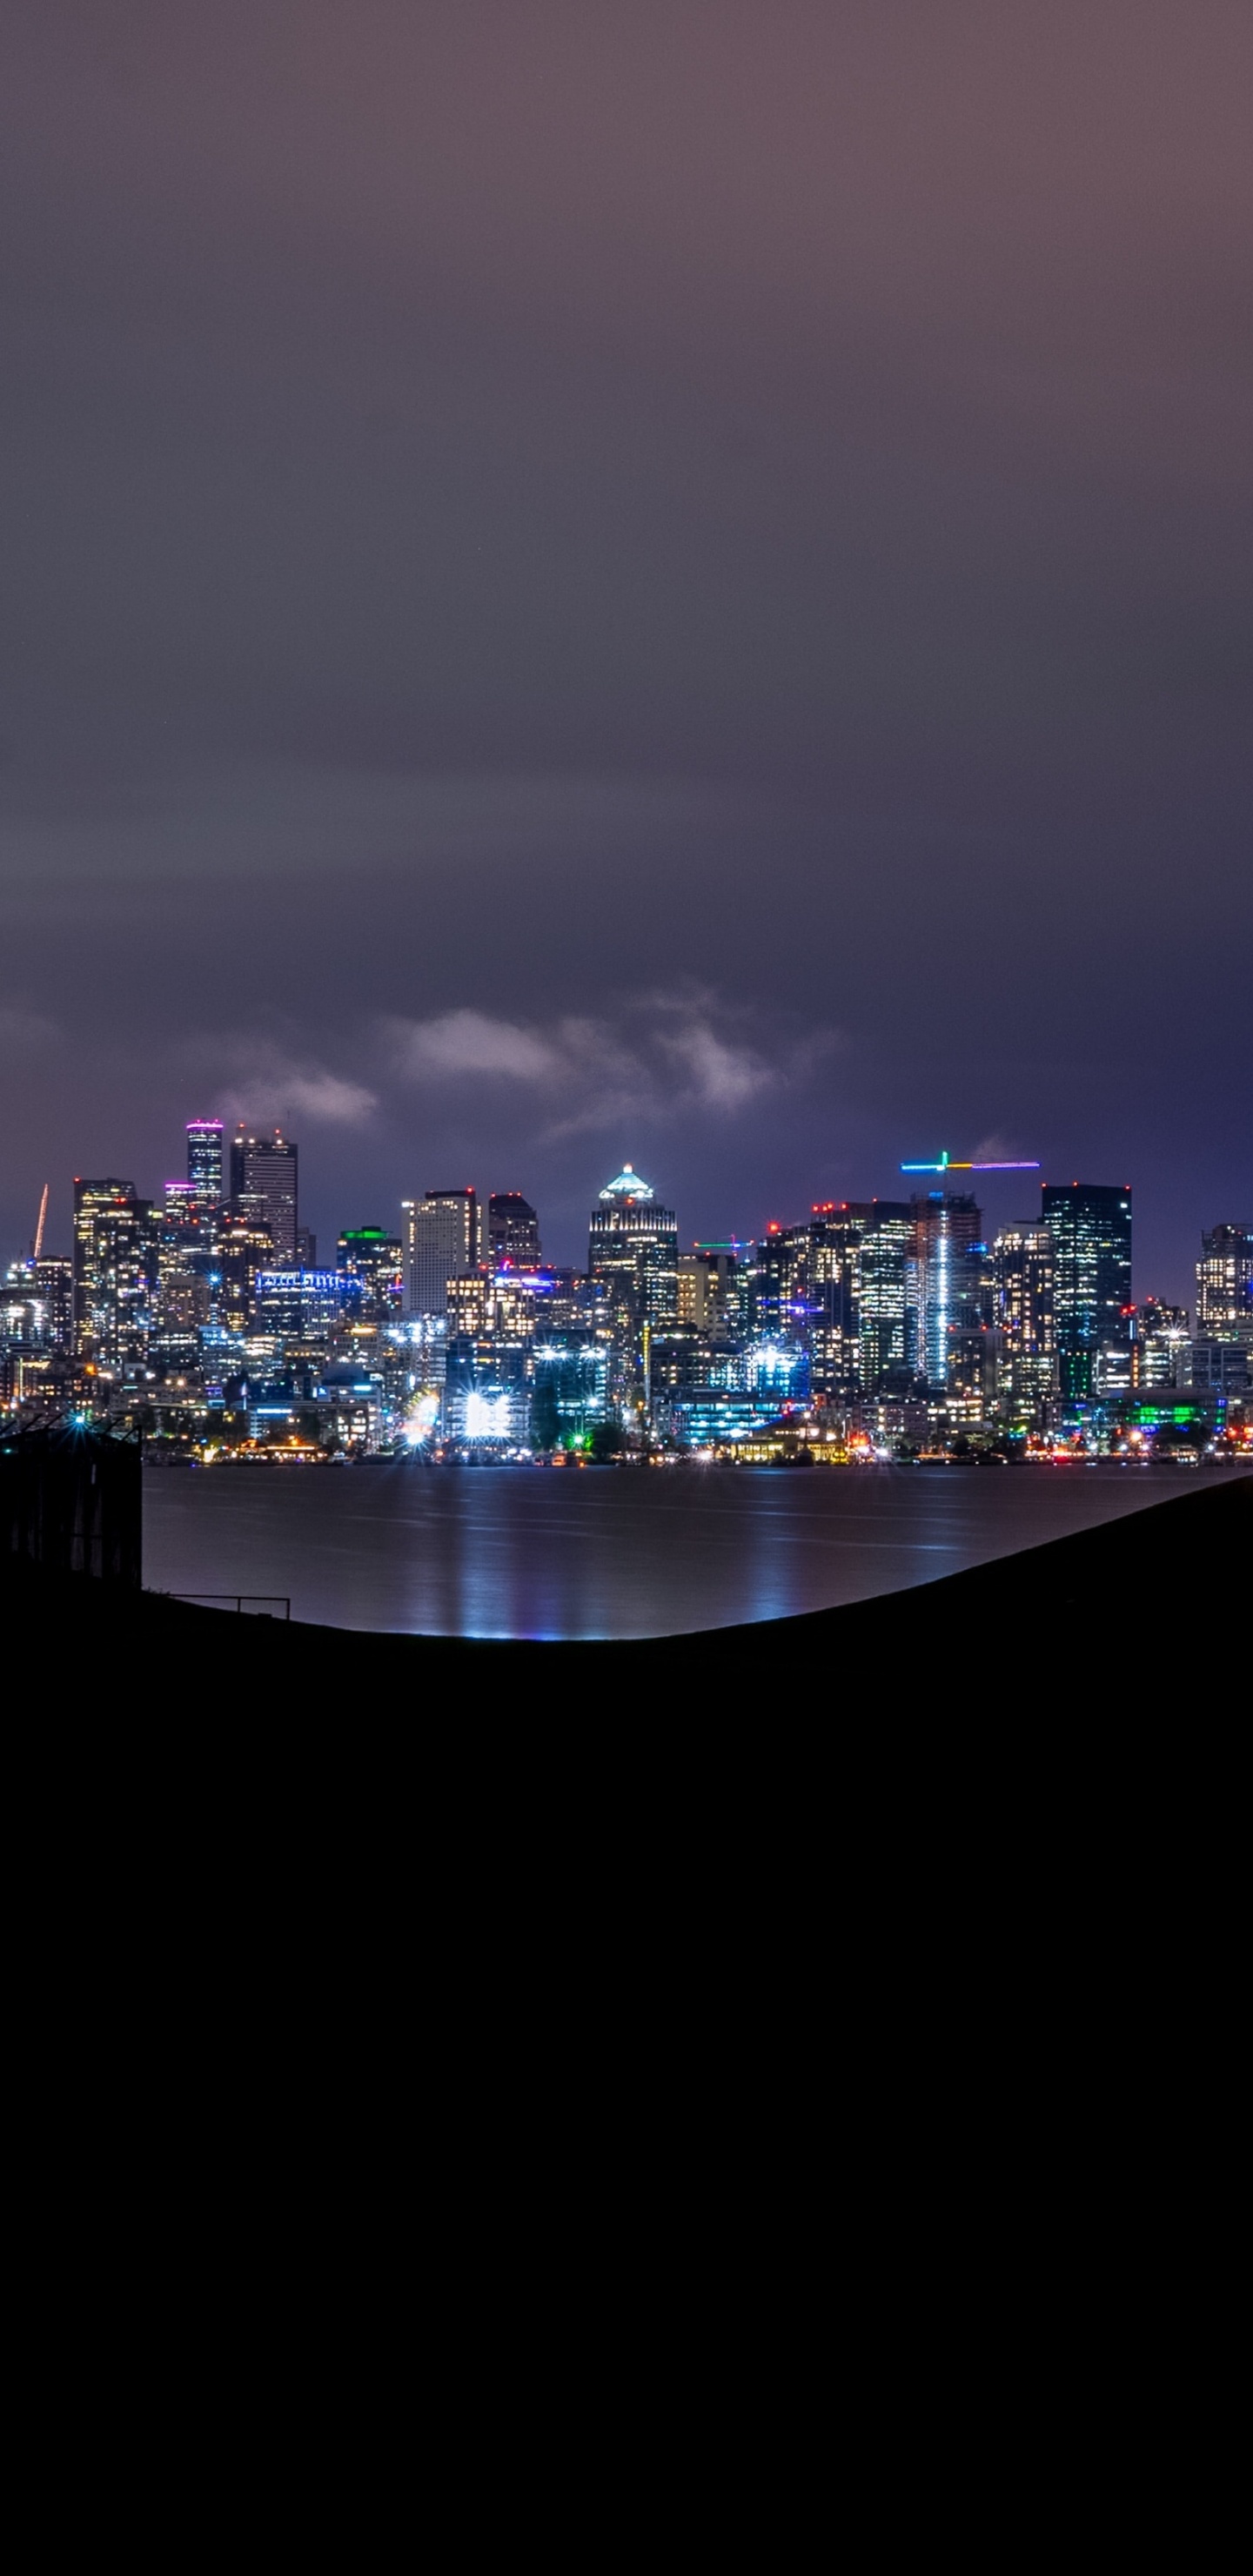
[(603, 1552)]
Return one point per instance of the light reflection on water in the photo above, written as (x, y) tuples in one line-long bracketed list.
[(542, 1552)]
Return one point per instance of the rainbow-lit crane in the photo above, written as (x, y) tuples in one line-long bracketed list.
[(946, 1164)]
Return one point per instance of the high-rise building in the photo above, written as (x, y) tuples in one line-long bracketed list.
[(946, 1226), (244, 1248), (1162, 1338), (114, 1275), (832, 1302), (713, 1288), (884, 1270), (1026, 1339), (54, 1288), (205, 1175), (1224, 1280), (633, 1249), (444, 1241), (264, 1189), (512, 1231), (377, 1259), (1090, 1223), (779, 1304)]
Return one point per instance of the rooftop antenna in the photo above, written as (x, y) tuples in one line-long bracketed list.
[(43, 1219), (946, 1164)]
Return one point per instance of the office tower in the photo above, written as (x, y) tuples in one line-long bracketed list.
[(244, 1248), (114, 1275), (1026, 1339), (945, 1227), (884, 1259), (1090, 1223), (1162, 1335), (837, 1235), (303, 1306), (713, 1288), (54, 1288), (205, 1176), (444, 1241), (1220, 1366), (1224, 1282), (306, 1248), (377, 1259), (264, 1189), (569, 1387), (512, 1231), (780, 1284), (633, 1250)]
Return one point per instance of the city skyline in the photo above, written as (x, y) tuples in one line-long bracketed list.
[(1172, 1280), (897, 1326), (672, 581)]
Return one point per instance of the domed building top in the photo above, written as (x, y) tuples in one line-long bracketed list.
[(627, 1186)]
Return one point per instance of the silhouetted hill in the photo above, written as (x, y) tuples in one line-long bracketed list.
[(1163, 1590)]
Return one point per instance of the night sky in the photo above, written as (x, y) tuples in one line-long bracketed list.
[(647, 580)]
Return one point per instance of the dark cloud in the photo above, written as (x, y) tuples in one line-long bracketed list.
[(511, 511)]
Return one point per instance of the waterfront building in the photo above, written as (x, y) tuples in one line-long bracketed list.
[(1090, 1223), (1224, 1285), (569, 1387), (114, 1275), (263, 1176), (375, 1259), (512, 1231), (443, 1242), (487, 1391)]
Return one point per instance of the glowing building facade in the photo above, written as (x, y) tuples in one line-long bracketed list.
[(1224, 1285), (264, 1190), (1090, 1223), (443, 1242)]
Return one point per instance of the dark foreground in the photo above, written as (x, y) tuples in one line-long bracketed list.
[(1163, 1591)]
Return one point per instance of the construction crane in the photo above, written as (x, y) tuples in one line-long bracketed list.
[(39, 1230), (946, 1164)]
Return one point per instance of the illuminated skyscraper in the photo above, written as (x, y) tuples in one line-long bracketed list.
[(444, 1241), (884, 1269), (114, 1275), (946, 1226), (1224, 1281), (1026, 1339), (377, 1260), (512, 1231), (205, 1176), (714, 1287), (633, 1250), (1090, 1223), (264, 1189)]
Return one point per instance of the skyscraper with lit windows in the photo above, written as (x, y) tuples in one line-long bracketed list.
[(264, 1189), (1090, 1223), (205, 1174)]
